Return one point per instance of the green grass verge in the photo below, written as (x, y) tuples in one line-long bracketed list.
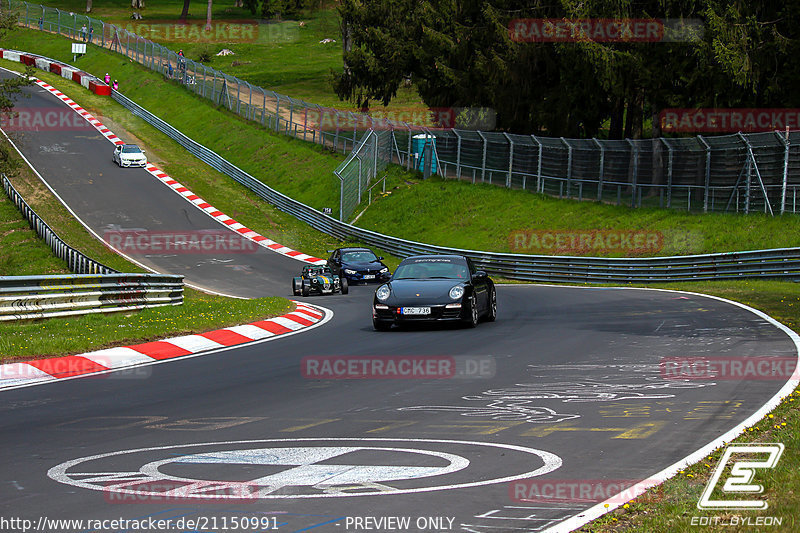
[(283, 56), (488, 217), (25, 254), (444, 212), (301, 170)]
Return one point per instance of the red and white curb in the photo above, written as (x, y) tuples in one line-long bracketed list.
[(198, 202), (304, 317)]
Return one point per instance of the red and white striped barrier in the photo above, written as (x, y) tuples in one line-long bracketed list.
[(45, 370)]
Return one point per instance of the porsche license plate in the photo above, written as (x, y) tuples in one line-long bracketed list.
[(416, 310)]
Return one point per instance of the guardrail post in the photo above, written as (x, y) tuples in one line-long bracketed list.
[(375, 160), (539, 186), (483, 163), (669, 171), (785, 180), (510, 159), (635, 154), (336, 135), (458, 154), (569, 165), (602, 165), (359, 178), (708, 173), (277, 109), (408, 161)]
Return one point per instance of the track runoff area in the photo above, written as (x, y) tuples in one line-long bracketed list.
[(574, 398)]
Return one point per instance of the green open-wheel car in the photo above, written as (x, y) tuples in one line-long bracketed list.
[(318, 279)]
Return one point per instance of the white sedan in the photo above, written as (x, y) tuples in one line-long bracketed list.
[(129, 155)]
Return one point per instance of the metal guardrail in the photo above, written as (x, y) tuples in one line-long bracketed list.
[(95, 288), (778, 263), (33, 297), (76, 261), (742, 173)]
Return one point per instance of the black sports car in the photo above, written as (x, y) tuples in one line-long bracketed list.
[(435, 288), (359, 265)]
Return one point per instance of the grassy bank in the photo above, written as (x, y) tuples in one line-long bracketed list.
[(285, 56), (487, 217), (25, 254), (450, 213)]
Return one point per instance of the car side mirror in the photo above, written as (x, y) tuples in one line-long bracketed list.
[(480, 274)]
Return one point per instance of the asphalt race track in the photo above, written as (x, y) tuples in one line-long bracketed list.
[(565, 388)]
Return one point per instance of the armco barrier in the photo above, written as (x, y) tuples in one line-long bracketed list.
[(95, 288), (33, 297), (778, 263), (76, 261)]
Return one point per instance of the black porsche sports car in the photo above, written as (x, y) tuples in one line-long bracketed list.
[(435, 288), (358, 265)]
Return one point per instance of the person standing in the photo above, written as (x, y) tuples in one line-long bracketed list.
[(91, 32), (83, 33), (41, 22), (107, 79), (115, 86)]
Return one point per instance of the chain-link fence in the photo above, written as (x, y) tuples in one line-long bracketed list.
[(371, 155), (736, 173)]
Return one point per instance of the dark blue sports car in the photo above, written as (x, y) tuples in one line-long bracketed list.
[(435, 288), (358, 265)]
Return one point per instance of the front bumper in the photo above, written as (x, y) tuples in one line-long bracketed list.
[(439, 313), (359, 277), (129, 164)]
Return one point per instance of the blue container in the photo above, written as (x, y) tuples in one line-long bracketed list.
[(418, 148)]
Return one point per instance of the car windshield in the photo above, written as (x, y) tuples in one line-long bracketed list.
[(361, 256), (131, 149), (320, 272), (431, 269)]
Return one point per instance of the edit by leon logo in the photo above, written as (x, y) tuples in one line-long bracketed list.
[(740, 479)]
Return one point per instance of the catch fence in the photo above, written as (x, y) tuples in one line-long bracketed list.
[(744, 173)]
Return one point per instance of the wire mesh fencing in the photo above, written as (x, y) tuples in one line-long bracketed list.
[(748, 173)]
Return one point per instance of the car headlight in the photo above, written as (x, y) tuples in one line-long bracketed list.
[(348, 271), (384, 269), (457, 292), (313, 280), (383, 292)]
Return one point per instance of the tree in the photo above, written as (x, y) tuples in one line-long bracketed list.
[(208, 15), (12, 87), (184, 11), (277, 9), (88, 6)]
